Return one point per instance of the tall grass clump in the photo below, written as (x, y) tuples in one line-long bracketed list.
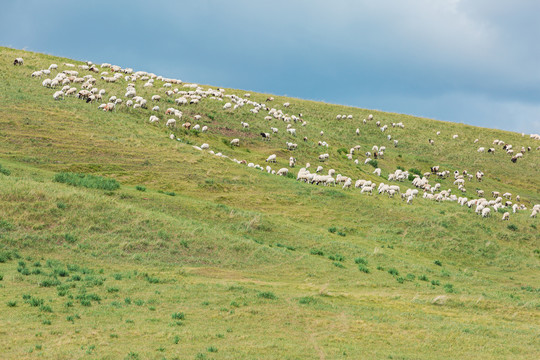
[(86, 180)]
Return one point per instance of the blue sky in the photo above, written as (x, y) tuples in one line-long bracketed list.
[(470, 61)]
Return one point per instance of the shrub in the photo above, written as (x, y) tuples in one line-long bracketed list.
[(512, 227), (373, 163), (337, 257), (306, 300), (46, 308), (363, 268), (212, 349), (112, 289), (342, 151), (4, 171), (423, 278), (316, 252), (86, 180), (415, 171), (410, 277), (11, 303), (449, 288), (438, 262), (49, 283), (360, 260), (340, 233), (339, 265), (393, 271), (400, 280), (61, 205), (178, 316), (267, 295), (435, 282), (332, 229), (140, 188)]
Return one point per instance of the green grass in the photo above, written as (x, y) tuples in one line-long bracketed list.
[(86, 180), (278, 268)]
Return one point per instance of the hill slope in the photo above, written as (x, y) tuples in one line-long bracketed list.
[(197, 256)]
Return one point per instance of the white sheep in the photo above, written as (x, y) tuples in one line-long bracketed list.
[(171, 123), (235, 142), (506, 216), (272, 158), (283, 172), (57, 95)]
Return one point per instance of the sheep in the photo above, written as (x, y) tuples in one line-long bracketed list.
[(286, 104), (171, 123), (292, 131), (486, 212), (204, 129), (205, 146), (283, 172), (235, 142), (244, 125), (377, 171), (265, 136), (153, 119), (395, 143), (274, 130), (347, 184), (271, 158), (186, 125), (481, 149), (292, 161), (18, 61), (57, 95)]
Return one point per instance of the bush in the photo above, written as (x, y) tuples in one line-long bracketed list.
[(49, 283), (212, 349), (337, 257), (178, 316), (87, 181), (267, 295), (438, 262), (4, 171), (512, 227), (373, 163), (435, 282), (306, 300), (363, 268), (332, 229), (415, 171), (61, 205), (140, 188), (393, 271), (11, 303), (360, 260), (423, 278), (316, 252)]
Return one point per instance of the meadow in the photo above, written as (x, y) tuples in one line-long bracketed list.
[(117, 242)]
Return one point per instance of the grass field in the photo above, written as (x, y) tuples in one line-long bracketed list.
[(159, 251)]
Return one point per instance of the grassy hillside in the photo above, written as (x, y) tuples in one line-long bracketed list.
[(197, 257)]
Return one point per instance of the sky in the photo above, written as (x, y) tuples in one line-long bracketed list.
[(467, 61)]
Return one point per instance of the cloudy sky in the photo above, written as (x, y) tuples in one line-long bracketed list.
[(470, 61)]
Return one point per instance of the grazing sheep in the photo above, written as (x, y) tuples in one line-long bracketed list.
[(18, 61), (292, 161), (265, 136), (271, 158), (377, 171), (235, 142), (486, 212), (171, 123), (57, 95), (283, 172)]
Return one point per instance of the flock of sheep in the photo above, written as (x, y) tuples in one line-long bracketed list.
[(70, 79)]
